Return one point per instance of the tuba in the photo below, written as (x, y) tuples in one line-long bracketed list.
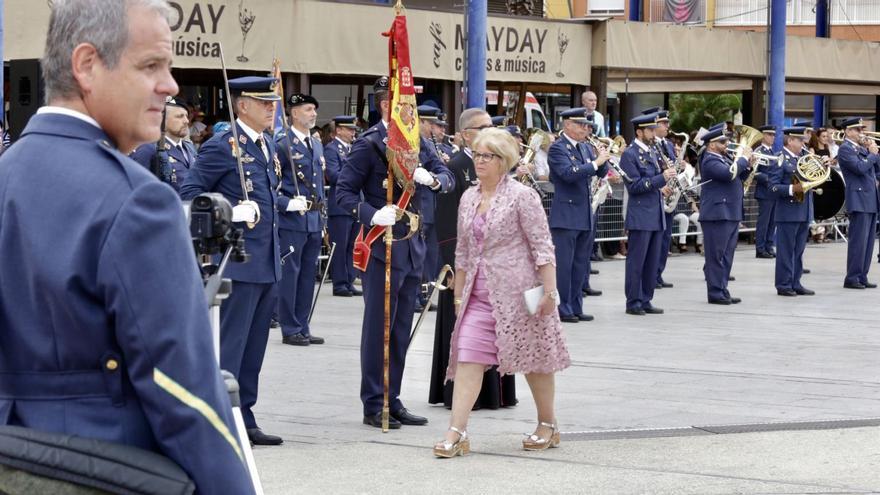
[(810, 173), (748, 138)]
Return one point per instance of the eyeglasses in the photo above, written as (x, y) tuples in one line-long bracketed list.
[(478, 128), (485, 157)]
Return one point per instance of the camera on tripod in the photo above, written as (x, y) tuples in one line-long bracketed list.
[(212, 230)]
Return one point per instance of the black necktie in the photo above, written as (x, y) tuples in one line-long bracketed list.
[(309, 144), (259, 142)]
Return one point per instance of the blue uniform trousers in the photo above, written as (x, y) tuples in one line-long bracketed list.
[(297, 286), (572, 258), (244, 331), (431, 268), (342, 231), (765, 230), (860, 246), (719, 244), (404, 286), (791, 240), (642, 258), (591, 249), (664, 247)]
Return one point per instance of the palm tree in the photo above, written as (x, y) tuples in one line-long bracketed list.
[(692, 111)]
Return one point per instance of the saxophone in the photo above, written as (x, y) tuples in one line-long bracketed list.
[(599, 191)]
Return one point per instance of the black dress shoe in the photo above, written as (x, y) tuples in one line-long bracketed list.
[(664, 285), (651, 310), (584, 317), (636, 312), (315, 340), (854, 286), (593, 271), (432, 307), (805, 270), (592, 292), (869, 285), (735, 300), (786, 292), (375, 420), (570, 319), (274, 323), (731, 279), (356, 292), (342, 293), (764, 255), (257, 437), (419, 308), (803, 291), (407, 418), (296, 339), (722, 302)]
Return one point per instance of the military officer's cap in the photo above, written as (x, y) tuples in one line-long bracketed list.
[(441, 120), (769, 129), (259, 88), (514, 131), (381, 84), (499, 120), (171, 101), (645, 121), (591, 120), (298, 99), (662, 115), (578, 114), (806, 124), (345, 121), (850, 122), (427, 112), (797, 132), (715, 134)]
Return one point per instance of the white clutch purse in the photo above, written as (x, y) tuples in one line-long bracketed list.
[(533, 298)]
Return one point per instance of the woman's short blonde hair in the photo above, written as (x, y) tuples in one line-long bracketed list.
[(500, 142)]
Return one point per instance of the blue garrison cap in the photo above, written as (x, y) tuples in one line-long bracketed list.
[(794, 132), (499, 120), (768, 129), (806, 124), (849, 122), (715, 134), (221, 126), (345, 121), (661, 114), (298, 99), (578, 114), (427, 112), (260, 88), (645, 121)]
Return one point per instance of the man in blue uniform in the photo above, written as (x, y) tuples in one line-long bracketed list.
[(571, 222), (301, 219), (765, 230), (367, 172), (592, 154), (105, 331), (721, 213), (859, 166), (341, 227), (438, 131), (645, 218), (792, 217), (499, 121), (665, 154), (431, 268), (244, 317), (180, 153)]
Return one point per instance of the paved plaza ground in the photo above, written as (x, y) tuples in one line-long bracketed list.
[(807, 365)]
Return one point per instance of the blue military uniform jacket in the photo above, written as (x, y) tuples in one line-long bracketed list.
[(721, 199), (177, 161), (571, 167), (644, 210), (787, 208), (366, 171), (216, 170), (860, 174), (428, 204), (762, 177), (667, 148), (102, 310), (335, 156), (310, 179)]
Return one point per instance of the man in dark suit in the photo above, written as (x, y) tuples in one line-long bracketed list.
[(645, 218), (859, 166), (245, 315), (105, 330), (341, 227), (765, 230), (571, 219), (720, 213), (367, 173), (792, 217), (179, 154)]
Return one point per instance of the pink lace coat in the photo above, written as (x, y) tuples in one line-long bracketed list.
[(516, 241)]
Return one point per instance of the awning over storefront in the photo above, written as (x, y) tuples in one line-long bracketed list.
[(316, 37)]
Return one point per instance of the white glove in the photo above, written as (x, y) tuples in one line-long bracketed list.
[(246, 211), (298, 203), (385, 217), (423, 177)]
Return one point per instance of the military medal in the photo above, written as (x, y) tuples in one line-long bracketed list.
[(242, 139), (277, 166), (173, 176)]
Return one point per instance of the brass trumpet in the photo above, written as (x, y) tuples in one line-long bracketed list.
[(615, 148), (761, 160)]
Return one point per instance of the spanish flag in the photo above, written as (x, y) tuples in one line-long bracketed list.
[(403, 130)]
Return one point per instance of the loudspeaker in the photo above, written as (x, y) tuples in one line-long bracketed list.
[(26, 93)]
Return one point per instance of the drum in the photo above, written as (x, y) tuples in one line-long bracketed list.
[(830, 201)]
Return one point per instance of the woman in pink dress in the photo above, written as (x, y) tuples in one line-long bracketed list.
[(504, 248)]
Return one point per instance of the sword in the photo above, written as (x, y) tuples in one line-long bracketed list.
[(435, 286), (285, 126), (323, 279), (235, 148)]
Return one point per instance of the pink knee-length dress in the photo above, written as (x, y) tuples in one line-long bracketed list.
[(476, 339)]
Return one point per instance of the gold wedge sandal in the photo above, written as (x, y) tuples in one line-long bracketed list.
[(534, 442), (447, 449)]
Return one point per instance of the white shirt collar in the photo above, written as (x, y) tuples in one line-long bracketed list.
[(252, 134), (469, 153), (570, 140), (301, 135), (641, 144), (716, 154), (70, 113), (790, 153), (173, 142), (857, 145), (385, 123), (343, 142)]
